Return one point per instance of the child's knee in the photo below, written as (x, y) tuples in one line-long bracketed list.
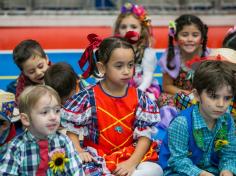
[(148, 169)]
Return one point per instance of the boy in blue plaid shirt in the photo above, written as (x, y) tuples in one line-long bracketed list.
[(40, 150), (201, 140)]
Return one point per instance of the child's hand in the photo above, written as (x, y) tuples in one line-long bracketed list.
[(226, 173), (125, 168), (205, 173), (187, 92), (85, 157)]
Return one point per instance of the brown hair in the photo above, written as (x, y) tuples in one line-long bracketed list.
[(25, 50), (61, 77), (181, 21), (211, 75)]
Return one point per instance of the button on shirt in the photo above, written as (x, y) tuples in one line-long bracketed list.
[(178, 144), (22, 156)]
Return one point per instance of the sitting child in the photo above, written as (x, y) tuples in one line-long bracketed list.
[(201, 140), (116, 119), (228, 55), (134, 24), (187, 40), (31, 59), (62, 78), (40, 150)]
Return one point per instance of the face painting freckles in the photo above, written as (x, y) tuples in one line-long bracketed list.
[(181, 42), (189, 39)]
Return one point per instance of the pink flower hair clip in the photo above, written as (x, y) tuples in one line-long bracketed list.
[(231, 30), (138, 10)]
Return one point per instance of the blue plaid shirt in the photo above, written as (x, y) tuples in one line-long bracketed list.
[(22, 156), (178, 136)]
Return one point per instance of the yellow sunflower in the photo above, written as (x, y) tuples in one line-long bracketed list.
[(58, 160), (220, 143)]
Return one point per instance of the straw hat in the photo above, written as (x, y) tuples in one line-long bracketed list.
[(6, 105), (227, 54)]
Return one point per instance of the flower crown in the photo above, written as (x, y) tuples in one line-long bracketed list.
[(138, 10)]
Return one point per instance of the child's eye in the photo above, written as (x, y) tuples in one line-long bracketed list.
[(196, 34), (57, 110), (184, 34), (213, 96), (44, 112), (40, 66), (131, 65), (123, 27), (133, 26), (118, 66), (227, 98), (31, 72)]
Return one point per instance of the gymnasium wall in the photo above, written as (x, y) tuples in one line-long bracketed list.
[(67, 44)]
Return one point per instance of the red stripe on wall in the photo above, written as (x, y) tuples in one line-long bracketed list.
[(75, 37)]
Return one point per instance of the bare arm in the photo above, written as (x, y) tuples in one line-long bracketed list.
[(85, 156), (168, 84), (127, 167), (141, 149), (74, 138)]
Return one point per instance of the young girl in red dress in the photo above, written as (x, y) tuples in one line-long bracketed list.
[(116, 119)]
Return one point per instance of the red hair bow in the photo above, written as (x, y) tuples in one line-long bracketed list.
[(193, 63), (87, 56)]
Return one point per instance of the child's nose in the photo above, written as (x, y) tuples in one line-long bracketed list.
[(190, 38), (220, 102), (126, 70), (53, 115), (38, 71), (129, 29)]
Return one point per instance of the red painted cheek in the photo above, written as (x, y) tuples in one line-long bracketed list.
[(181, 42), (199, 42)]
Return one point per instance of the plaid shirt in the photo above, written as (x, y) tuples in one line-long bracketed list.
[(178, 144), (22, 156)]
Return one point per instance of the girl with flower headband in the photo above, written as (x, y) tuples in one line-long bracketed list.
[(201, 140), (116, 119), (133, 22), (187, 39)]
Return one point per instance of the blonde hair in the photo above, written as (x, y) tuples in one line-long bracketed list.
[(31, 95)]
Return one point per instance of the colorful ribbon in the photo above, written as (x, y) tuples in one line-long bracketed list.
[(87, 56)]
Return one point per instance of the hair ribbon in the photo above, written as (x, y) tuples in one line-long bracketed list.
[(87, 57), (172, 29)]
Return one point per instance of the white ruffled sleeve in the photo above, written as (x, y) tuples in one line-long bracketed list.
[(76, 116), (147, 117), (149, 64)]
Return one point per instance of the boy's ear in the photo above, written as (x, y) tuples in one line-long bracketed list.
[(196, 95), (101, 68), (25, 119)]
